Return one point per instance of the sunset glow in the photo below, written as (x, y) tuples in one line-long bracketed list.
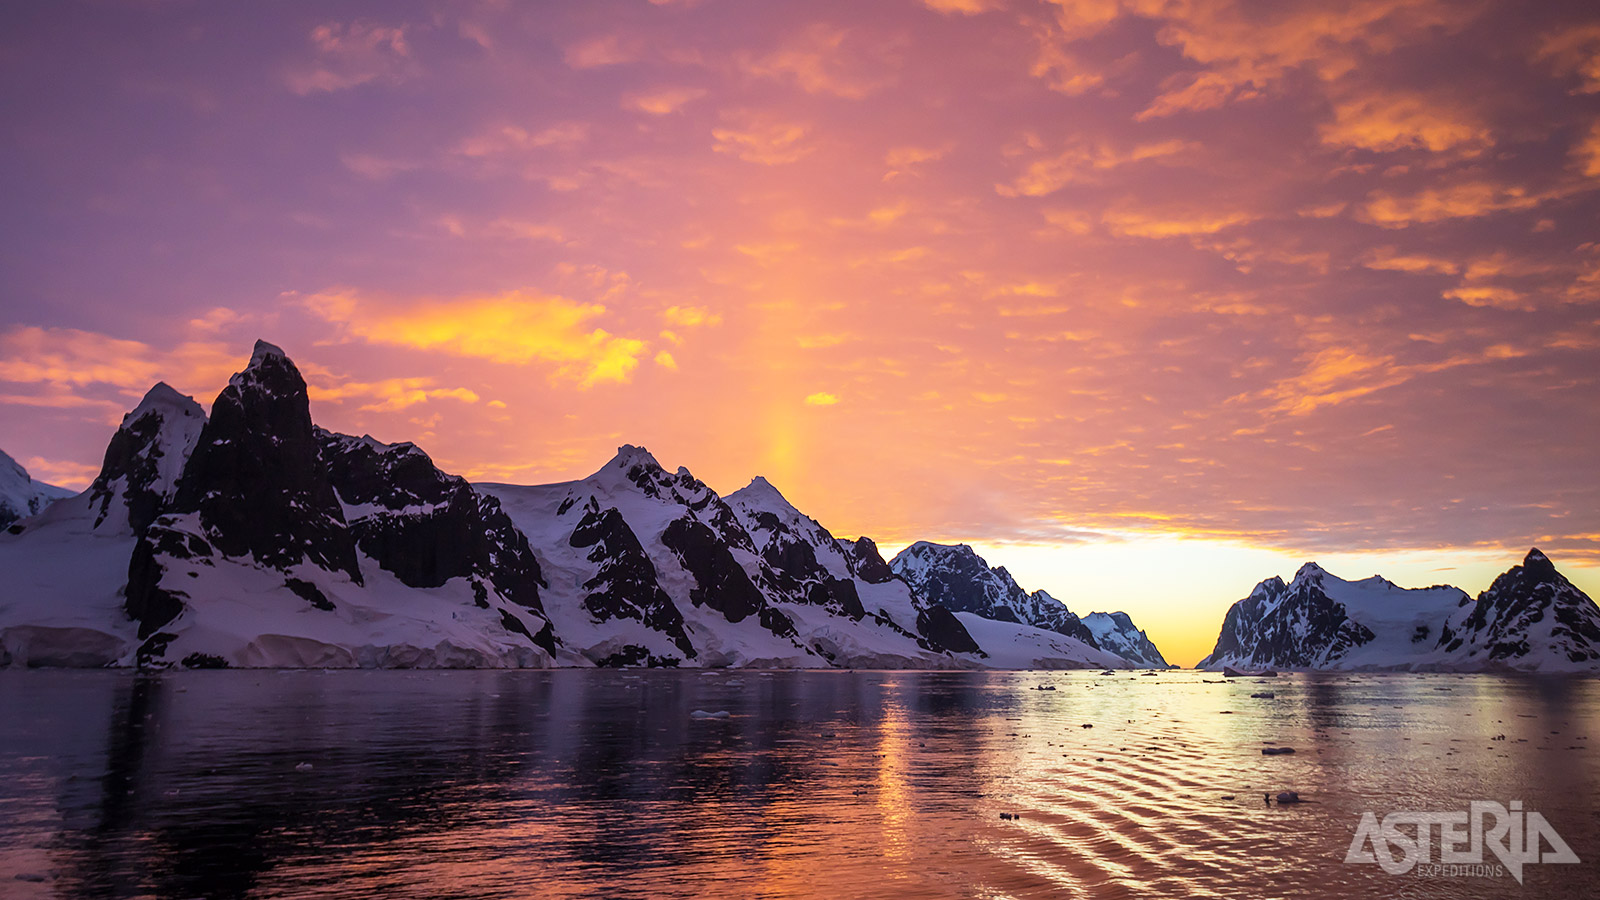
[(1147, 301)]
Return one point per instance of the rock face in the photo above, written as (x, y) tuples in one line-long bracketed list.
[(147, 454), (656, 569), (284, 544), (1530, 619), (957, 578), (20, 495), (256, 478), (1115, 632)]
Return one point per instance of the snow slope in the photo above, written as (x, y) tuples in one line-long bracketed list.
[(20, 495)]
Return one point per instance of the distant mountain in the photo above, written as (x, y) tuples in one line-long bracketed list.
[(20, 495), (955, 577), (1530, 619), (1115, 632)]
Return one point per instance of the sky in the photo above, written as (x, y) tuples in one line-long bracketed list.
[(1148, 301)]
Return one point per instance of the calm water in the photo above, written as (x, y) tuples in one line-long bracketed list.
[(831, 784)]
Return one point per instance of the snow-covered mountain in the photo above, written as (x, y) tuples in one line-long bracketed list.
[(648, 567), (1115, 632), (255, 538), (956, 577), (20, 495), (1530, 619)]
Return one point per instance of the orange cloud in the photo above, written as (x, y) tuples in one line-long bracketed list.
[(353, 54), (1488, 295), (1458, 201), (1135, 223), (66, 359), (1086, 162), (758, 138), (603, 50), (513, 328), (690, 316), (1587, 152), (1386, 258), (387, 395), (817, 61), (662, 101), (1401, 120), (821, 398), (1574, 51)]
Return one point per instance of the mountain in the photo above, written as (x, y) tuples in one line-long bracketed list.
[(654, 568), (957, 578), (252, 537), (20, 495), (1531, 618), (1115, 632), (62, 599)]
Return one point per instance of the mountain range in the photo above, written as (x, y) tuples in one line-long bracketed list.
[(1530, 619), (252, 537)]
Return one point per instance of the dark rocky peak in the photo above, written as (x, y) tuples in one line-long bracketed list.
[(866, 561), (256, 476), (1539, 566), (1271, 589), (1310, 573), (145, 459), (427, 526), (367, 471)]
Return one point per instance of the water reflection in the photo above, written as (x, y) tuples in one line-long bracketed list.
[(570, 783)]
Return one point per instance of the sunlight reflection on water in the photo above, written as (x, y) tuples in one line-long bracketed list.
[(828, 784)]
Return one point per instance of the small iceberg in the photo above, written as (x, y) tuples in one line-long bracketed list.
[(702, 714)]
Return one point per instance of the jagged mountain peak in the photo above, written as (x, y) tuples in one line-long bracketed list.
[(1536, 563), (163, 397), (760, 494), (629, 455), (271, 368), (1310, 571), (263, 350)]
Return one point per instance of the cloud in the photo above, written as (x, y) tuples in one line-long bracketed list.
[(1247, 50), (818, 62), (690, 316), (1464, 200), (759, 138), (1402, 120), (68, 359), (513, 328), (1488, 295), (352, 54), (662, 101), (1137, 223), (387, 395), (1574, 51), (1587, 152), (906, 160), (60, 472), (821, 398), (603, 50), (1084, 161), (514, 139), (963, 7), (1388, 259)]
